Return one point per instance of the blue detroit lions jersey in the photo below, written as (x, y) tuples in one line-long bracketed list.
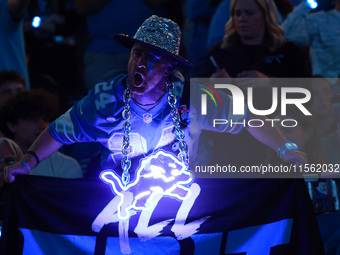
[(98, 118)]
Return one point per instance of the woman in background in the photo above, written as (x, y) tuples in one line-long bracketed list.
[(254, 45)]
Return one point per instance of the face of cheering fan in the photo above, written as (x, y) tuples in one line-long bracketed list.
[(10, 89), (26, 131), (147, 69), (249, 21)]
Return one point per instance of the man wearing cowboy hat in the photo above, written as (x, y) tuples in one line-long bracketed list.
[(131, 115)]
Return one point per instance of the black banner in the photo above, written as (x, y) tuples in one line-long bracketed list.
[(227, 216)]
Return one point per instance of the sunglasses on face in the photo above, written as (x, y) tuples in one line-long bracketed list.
[(10, 160)]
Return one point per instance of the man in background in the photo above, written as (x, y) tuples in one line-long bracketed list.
[(11, 83), (23, 117)]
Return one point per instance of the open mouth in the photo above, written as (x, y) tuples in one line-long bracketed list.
[(138, 79)]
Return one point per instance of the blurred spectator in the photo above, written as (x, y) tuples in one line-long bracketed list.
[(320, 31), (254, 46), (10, 153), (321, 106), (23, 117), (12, 55), (216, 27), (199, 13), (103, 56), (11, 83), (222, 15)]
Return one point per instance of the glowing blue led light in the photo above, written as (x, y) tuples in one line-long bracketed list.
[(312, 4), (158, 174), (36, 22), (291, 146)]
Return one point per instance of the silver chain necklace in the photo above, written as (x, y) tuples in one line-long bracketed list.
[(126, 114)]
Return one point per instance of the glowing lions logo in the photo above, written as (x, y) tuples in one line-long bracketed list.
[(161, 173)]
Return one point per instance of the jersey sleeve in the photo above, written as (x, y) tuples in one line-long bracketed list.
[(90, 119)]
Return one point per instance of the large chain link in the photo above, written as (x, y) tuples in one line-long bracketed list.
[(126, 149), (176, 119), (126, 114)]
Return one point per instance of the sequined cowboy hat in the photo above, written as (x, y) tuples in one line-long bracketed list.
[(159, 33)]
